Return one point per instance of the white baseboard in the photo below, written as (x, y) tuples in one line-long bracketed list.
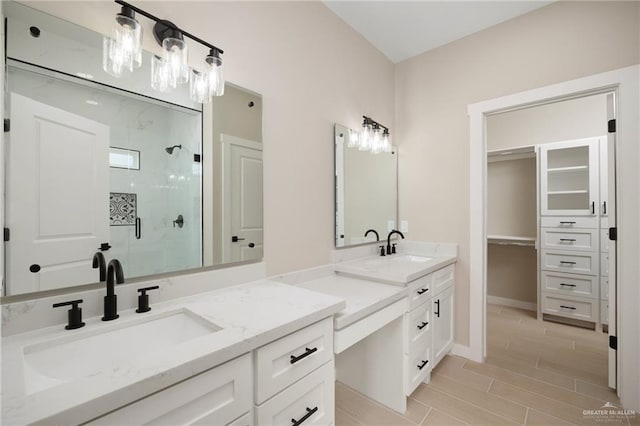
[(465, 352), (512, 303)]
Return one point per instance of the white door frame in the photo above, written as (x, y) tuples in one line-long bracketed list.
[(626, 83)]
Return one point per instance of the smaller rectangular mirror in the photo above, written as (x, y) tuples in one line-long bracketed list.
[(366, 191)]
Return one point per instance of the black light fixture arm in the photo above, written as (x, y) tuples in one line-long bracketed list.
[(373, 122), (174, 26)]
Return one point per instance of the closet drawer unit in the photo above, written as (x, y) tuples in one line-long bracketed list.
[(604, 288), (571, 222), (420, 291), (290, 358), (417, 369), (217, 396), (604, 264), (310, 401), (604, 239), (574, 262), (604, 312), (443, 278), (581, 309), (570, 284), (417, 327), (575, 239)]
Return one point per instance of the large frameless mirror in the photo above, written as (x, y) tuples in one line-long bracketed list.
[(99, 164), (366, 190)]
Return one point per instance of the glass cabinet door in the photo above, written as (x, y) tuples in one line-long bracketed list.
[(569, 178)]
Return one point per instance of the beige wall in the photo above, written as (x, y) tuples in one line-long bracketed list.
[(512, 273), (312, 70), (562, 41)]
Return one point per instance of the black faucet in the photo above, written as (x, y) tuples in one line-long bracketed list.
[(395, 231), (114, 276), (374, 231), (99, 262)]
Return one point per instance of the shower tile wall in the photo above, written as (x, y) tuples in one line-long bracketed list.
[(166, 185)]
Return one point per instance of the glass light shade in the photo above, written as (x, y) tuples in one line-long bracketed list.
[(215, 71), (160, 77), (352, 142), (123, 51), (386, 142), (199, 87), (365, 137), (376, 142), (175, 54)]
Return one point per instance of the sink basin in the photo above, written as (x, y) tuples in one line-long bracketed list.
[(408, 258), (88, 353)]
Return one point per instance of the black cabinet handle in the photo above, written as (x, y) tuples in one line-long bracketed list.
[(566, 262), (423, 290), (593, 207), (138, 228), (308, 352), (568, 239), (310, 412), (252, 245), (34, 268), (437, 302), (567, 223), (567, 285), (568, 307), (604, 207), (423, 325), (423, 364)]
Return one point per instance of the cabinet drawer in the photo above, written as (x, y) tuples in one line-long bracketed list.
[(288, 359), (570, 284), (569, 222), (418, 327), (575, 239), (312, 397), (604, 312), (420, 291), (582, 309), (604, 288), (604, 239), (417, 369), (604, 264), (574, 262), (443, 278), (217, 396)]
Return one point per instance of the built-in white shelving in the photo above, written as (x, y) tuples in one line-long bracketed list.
[(511, 240)]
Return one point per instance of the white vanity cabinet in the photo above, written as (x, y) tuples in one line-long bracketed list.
[(294, 378), (219, 396), (428, 325)]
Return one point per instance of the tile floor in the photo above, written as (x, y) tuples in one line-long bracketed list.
[(536, 373)]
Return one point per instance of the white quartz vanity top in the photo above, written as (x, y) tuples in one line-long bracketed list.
[(250, 316), (396, 269), (362, 297)]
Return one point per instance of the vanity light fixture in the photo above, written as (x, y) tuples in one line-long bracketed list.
[(123, 52), (374, 137)]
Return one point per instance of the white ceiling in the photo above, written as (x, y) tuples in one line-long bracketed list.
[(402, 29)]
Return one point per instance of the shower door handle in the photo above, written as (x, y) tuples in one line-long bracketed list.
[(138, 228)]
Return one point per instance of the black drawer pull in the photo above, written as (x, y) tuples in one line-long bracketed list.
[(308, 352), (423, 290), (567, 223), (423, 325), (421, 366), (437, 302), (572, 240), (568, 307), (567, 285), (310, 412), (566, 262)]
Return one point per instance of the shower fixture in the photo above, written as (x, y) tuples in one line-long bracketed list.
[(171, 148)]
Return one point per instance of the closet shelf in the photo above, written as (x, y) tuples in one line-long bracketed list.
[(509, 240), (577, 191), (568, 169)]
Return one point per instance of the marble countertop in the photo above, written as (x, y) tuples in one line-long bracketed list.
[(362, 297), (250, 316), (392, 270)]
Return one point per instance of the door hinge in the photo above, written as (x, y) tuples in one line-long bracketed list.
[(7, 234), (196, 158), (611, 126), (613, 342), (7, 125), (613, 234), (104, 247)]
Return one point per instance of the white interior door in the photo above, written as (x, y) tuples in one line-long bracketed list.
[(611, 213), (243, 224), (57, 197)]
